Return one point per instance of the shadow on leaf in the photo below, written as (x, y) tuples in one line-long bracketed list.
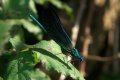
[(51, 55)]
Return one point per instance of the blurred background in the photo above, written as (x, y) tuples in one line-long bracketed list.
[(93, 26)]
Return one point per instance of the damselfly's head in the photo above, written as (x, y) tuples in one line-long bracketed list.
[(76, 54)]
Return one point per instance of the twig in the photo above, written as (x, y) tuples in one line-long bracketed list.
[(87, 36), (103, 59), (85, 53), (75, 29)]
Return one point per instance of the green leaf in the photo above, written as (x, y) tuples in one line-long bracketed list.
[(19, 8), (5, 27), (19, 68), (54, 60), (4, 59), (1, 78), (14, 73), (47, 52), (36, 56), (50, 46), (32, 6), (18, 39)]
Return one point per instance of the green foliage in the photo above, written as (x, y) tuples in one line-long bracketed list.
[(14, 25), (48, 52), (4, 34), (15, 13), (51, 53), (21, 66), (18, 61), (3, 63), (18, 8)]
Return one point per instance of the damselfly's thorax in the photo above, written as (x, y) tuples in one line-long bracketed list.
[(74, 52)]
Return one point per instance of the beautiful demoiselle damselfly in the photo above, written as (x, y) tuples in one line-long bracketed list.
[(50, 23)]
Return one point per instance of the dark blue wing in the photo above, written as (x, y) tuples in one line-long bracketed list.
[(52, 25)]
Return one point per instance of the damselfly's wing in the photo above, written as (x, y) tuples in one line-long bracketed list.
[(53, 26)]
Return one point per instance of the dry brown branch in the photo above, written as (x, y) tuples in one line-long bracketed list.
[(75, 29), (87, 37), (103, 59)]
